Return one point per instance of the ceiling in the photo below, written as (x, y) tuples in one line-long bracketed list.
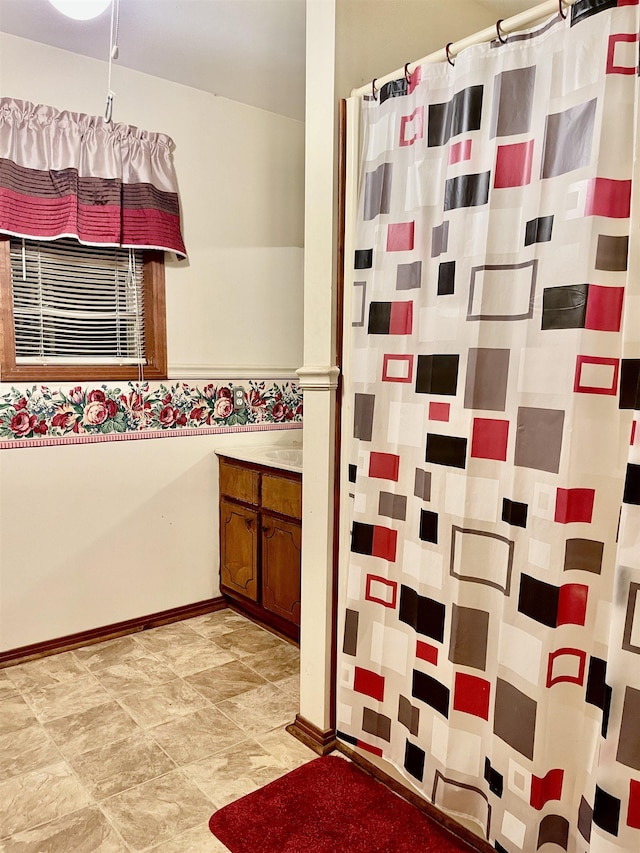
[(251, 51)]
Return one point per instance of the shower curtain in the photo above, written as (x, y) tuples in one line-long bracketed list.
[(491, 645)]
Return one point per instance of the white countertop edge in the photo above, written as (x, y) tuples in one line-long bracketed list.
[(258, 454)]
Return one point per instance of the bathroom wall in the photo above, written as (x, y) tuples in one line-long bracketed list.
[(96, 533)]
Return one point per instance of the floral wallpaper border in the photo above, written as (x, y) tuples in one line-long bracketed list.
[(43, 416)]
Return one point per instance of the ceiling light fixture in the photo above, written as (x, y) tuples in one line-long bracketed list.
[(81, 10)]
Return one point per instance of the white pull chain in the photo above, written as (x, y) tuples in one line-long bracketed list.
[(113, 54)]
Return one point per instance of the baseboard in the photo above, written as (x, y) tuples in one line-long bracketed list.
[(320, 742), (110, 632), (432, 812), (271, 621)]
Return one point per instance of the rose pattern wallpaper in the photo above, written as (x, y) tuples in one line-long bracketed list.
[(42, 414)]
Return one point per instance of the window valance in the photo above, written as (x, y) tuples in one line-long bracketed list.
[(65, 174)]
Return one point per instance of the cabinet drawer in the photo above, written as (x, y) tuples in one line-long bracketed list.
[(239, 483), (282, 495)]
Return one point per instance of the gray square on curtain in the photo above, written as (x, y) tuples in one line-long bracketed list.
[(513, 101), (567, 140), (377, 191)]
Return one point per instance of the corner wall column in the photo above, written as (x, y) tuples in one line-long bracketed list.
[(318, 381)]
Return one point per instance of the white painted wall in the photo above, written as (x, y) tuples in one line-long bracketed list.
[(99, 533)]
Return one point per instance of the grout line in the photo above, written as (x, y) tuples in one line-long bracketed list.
[(147, 732)]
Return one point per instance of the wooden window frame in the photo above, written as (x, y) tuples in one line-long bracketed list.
[(155, 330)]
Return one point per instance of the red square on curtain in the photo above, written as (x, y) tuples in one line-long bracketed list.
[(425, 651), (400, 237), (574, 505), (439, 411), (397, 368), (604, 308), (560, 674), (489, 439), (595, 375), (380, 590), (513, 165), (415, 125), (384, 466), (633, 812), (572, 604), (613, 67), (547, 788), (374, 750), (415, 77), (384, 543), (369, 683), (460, 151), (401, 318), (607, 197), (471, 695)]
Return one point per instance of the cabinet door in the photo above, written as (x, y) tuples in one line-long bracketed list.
[(239, 549), (281, 543)]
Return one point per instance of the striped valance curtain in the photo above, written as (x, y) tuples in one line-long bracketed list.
[(65, 174)]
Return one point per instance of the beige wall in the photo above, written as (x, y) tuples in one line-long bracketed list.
[(375, 37), (99, 533)]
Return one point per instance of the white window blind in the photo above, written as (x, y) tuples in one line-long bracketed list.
[(75, 304)]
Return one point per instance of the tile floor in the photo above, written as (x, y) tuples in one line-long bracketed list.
[(131, 744)]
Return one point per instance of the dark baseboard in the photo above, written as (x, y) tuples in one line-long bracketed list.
[(274, 623), (110, 632), (320, 742), (428, 809)]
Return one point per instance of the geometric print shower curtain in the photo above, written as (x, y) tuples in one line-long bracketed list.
[(491, 647)]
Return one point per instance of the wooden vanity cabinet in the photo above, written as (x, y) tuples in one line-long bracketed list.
[(260, 542)]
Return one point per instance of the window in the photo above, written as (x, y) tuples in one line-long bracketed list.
[(71, 312)]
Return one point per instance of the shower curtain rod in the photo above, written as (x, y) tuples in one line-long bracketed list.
[(502, 28)]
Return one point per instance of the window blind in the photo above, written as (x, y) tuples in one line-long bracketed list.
[(76, 304)]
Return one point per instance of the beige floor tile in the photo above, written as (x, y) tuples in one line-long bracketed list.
[(90, 729), (197, 840), (130, 676), (101, 655), (156, 811), (7, 687), (197, 735), (276, 663), (261, 710), (189, 656), (15, 714), (159, 639), (26, 749), (286, 749), (248, 641), (291, 685), (235, 772), (70, 697), (110, 769), (215, 624), (156, 705), (40, 796), (45, 672), (84, 831), (226, 681)]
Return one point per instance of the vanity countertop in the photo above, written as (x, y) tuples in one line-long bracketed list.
[(286, 457)]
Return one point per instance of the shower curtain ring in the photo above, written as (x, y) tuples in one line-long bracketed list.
[(563, 14), (374, 91), (448, 50), (407, 74), (500, 39)]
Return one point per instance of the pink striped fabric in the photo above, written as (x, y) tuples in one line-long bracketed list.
[(66, 174)]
